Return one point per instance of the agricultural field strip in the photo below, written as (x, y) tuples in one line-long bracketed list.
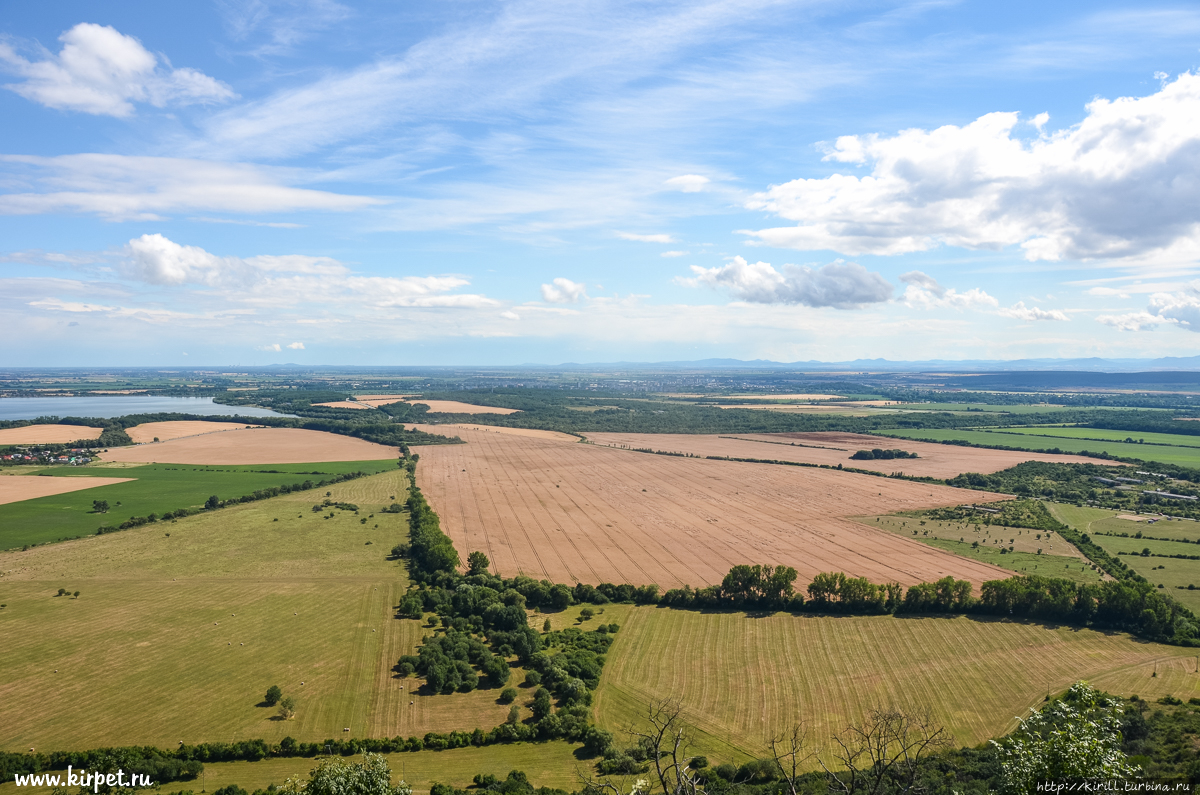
[(832, 449), (975, 675), (1187, 456), (523, 513), (1099, 434)]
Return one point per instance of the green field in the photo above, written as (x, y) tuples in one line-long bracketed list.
[(550, 764), (1185, 456), (180, 628), (741, 680), (158, 488), (1141, 439), (961, 537)]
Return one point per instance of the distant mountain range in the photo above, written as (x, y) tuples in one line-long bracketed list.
[(1096, 365)]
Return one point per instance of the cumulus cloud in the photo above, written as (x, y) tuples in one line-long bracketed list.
[(1179, 307), (296, 346), (1022, 312), (688, 183), (646, 238), (842, 285), (508, 314), (103, 72), (273, 347), (1124, 182), (120, 187), (924, 292), (673, 254), (564, 291)]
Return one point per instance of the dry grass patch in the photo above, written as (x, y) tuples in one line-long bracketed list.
[(455, 407), (48, 434), (256, 446), (742, 679), (29, 487), (166, 431), (572, 512), (833, 448)]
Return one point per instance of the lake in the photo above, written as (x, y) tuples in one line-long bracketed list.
[(118, 406)]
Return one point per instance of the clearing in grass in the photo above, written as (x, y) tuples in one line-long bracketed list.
[(742, 679), (141, 491), (569, 512)]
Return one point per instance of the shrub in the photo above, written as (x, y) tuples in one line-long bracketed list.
[(508, 695), (273, 695)]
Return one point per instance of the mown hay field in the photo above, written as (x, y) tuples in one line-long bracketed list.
[(47, 434), (140, 490), (255, 446), (149, 432), (831, 449), (181, 627), (556, 509), (742, 679)]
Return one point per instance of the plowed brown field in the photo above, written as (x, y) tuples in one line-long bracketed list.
[(255, 446), (166, 431), (47, 434), (28, 487), (571, 512), (936, 460)]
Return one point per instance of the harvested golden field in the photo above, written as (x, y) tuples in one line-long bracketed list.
[(571, 512), (375, 400), (255, 446), (833, 448), (741, 679), (47, 434), (343, 404), (454, 407), (29, 487), (166, 431), (796, 396)]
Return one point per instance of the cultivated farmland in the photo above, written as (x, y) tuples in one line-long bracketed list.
[(166, 431), (569, 512), (181, 626), (832, 448), (47, 434), (255, 446), (742, 679), (454, 407), (1184, 455), (28, 487)]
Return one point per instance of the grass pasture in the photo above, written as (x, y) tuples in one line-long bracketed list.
[(1057, 558), (1186, 456), (154, 488), (741, 679), (152, 651)]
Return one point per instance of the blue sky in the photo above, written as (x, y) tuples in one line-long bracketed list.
[(502, 183)]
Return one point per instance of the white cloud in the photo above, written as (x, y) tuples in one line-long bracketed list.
[(119, 187), (1108, 292), (103, 72), (273, 347), (1124, 182), (674, 254), (296, 346), (56, 305), (925, 292), (1133, 321), (1022, 312), (843, 285), (508, 314), (688, 183), (564, 291), (646, 238)]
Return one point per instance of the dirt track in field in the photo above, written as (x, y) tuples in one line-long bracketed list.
[(255, 446), (28, 487), (570, 512), (832, 448), (166, 431), (47, 434)]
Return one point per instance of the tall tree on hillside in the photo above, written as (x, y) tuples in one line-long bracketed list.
[(477, 563)]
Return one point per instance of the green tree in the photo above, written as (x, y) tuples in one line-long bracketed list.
[(371, 776), (1076, 738), (546, 625), (273, 695), (287, 707), (99, 506), (212, 502), (514, 714), (508, 695), (586, 614), (477, 563)]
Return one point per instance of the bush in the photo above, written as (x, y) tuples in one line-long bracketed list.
[(533, 678), (273, 695), (508, 695)]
